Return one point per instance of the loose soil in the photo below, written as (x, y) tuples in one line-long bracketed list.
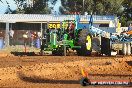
[(61, 71)]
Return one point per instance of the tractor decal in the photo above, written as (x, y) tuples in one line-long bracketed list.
[(54, 26), (88, 44)]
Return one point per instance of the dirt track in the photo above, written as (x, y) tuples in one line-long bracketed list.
[(59, 71)]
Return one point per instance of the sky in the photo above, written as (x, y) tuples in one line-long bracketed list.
[(55, 6), (3, 6)]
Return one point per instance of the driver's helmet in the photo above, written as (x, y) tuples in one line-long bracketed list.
[(72, 26)]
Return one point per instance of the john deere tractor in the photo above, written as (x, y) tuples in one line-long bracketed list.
[(75, 36)]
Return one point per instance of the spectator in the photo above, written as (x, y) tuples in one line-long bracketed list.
[(130, 27), (39, 34), (11, 35)]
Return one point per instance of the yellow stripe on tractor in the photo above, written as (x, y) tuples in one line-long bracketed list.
[(88, 44)]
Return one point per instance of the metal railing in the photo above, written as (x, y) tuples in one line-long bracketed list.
[(48, 17)]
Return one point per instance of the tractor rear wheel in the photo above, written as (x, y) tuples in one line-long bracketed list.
[(85, 41)]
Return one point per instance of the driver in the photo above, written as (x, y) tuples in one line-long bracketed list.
[(71, 30)]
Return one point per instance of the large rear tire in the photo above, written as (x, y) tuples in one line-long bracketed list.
[(105, 46), (85, 41)]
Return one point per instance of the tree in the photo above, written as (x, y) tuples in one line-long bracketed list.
[(39, 6), (72, 6), (20, 6), (128, 9), (100, 7), (35, 7)]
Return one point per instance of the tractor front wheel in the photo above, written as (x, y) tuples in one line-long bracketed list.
[(60, 51)]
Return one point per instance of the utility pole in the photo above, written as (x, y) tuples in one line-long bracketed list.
[(41, 32), (75, 5), (7, 34), (94, 10), (83, 5)]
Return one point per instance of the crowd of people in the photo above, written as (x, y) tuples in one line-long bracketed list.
[(28, 37)]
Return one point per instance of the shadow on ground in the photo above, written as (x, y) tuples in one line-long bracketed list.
[(23, 53), (36, 79), (129, 63)]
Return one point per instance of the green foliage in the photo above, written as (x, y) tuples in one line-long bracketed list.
[(123, 21), (100, 7), (73, 5), (126, 15), (38, 7), (20, 6)]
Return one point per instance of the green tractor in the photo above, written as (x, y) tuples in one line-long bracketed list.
[(76, 37)]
